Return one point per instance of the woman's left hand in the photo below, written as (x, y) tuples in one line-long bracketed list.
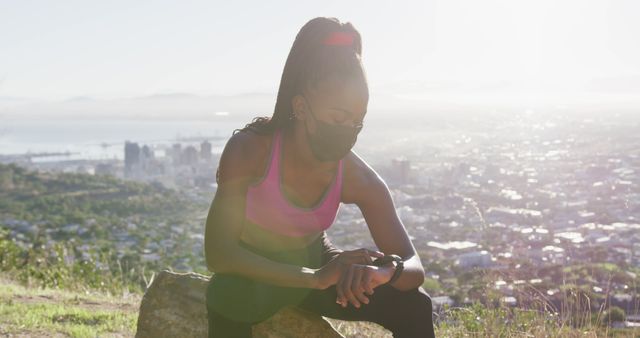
[(360, 278)]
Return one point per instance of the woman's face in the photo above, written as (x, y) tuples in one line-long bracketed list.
[(332, 115), (336, 101)]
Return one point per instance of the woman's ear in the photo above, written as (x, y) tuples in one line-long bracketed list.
[(298, 107)]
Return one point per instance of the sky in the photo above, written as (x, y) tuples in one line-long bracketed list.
[(57, 50)]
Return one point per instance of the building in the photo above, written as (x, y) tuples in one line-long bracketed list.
[(480, 259), (190, 156), (176, 153), (131, 159), (105, 169), (205, 151), (400, 170)]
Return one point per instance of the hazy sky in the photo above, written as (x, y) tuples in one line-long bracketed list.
[(107, 49)]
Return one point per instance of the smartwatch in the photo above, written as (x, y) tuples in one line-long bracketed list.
[(391, 258)]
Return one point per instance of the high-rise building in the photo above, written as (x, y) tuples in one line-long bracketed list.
[(176, 153), (205, 151), (146, 157), (400, 170), (190, 156), (131, 158), (146, 152)]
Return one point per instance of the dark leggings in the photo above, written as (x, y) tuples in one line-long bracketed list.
[(404, 313)]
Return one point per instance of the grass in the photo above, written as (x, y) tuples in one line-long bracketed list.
[(497, 319), (357, 329), (478, 321), (538, 319), (50, 312), (29, 311)]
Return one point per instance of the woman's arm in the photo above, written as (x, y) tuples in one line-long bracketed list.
[(224, 255), (374, 200), (225, 221)]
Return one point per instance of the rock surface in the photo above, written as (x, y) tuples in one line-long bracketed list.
[(175, 306)]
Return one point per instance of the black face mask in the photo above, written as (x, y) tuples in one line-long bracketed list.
[(331, 142)]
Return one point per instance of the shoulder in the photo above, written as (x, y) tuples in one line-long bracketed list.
[(360, 179), (243, 155)]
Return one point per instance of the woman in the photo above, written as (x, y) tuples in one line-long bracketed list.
[(280, 183)]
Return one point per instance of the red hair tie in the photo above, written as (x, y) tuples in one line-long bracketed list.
[(339, 38)]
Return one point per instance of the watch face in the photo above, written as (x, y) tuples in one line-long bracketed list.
[(386, 259), (382, 260)]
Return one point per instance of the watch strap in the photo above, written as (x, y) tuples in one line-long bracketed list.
[(391, 258), (397, 272)]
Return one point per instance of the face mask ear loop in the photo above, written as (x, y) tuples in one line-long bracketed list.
[(310, 113)]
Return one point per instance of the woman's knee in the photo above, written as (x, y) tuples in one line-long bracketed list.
[(420, 301), (413, 316)]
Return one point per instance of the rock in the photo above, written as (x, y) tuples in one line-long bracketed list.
[(175, 306)]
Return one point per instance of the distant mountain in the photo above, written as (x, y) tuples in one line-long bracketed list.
[(177, 106), (167, 96), (421, 99), (80, 99), (169, 106)]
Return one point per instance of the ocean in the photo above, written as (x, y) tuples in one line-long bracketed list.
[(105, 139)]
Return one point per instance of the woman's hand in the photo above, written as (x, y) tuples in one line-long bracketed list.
[(332, 271), (360, 278)]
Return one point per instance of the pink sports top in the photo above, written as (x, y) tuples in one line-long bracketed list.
[(268, 207)]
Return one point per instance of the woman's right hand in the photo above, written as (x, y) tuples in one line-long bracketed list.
[(330, 273)]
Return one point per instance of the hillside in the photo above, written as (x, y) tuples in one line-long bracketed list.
[(61, 229), (77, 252)]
